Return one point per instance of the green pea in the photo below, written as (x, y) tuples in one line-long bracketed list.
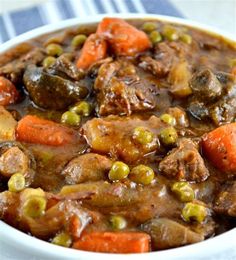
[(168, 119), (183, 191), (70, 118), (118, 171), (118, 222), (54, 49), (186, 38), (155, 37), (78, 40), (149, 27), (170, 33), (143, 135), (82, 108), (34, 206), (168, 136), (62, 239), (48, 61), (142, 174), (193, 211), (16, 183)]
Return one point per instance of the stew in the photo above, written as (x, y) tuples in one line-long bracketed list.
[(119, 137)]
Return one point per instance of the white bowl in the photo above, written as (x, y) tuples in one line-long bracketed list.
[(15, 244)]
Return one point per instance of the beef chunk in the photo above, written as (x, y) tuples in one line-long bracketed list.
[(198, 110), (52, 91), (14, 158), (113, 135), (205, 85), (161, 63), (166, 233), (121, 91), (65, 68), (87, 167), (224, 110), (184, 163), (14, 70), (214, 97), (165, 55), (225, 202), (12, 161)]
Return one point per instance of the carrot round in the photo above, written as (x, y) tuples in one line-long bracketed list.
[(32, 129), (8, 92), (124, 38), (114, 242), (94, 49), (219, 146)]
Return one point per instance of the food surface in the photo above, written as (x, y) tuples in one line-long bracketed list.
[(119, 137)]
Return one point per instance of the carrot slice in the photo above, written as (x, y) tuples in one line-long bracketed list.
[(32, 129), (94, 49), (219, 146), (124, 38), (114, 242), (8, 92)]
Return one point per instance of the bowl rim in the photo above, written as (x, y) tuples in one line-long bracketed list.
[(38, 246)]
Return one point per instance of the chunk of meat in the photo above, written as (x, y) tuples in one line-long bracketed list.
[(122, 91), (214, 97), (7, 125), (114, 136), (225, 202), (14, 70), (137, 205), (224, 110), (184, 163), (205, 85), (160, 64), (13, 161), (124, 38), (55, 218), (87, 167), (44, 87), (198, 110), (165, 55), (65, 68), (166, 233), (14, 158)]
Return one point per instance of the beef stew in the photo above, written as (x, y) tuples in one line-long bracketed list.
[(119, 137)]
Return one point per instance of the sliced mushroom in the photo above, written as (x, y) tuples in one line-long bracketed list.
[(52, 91), (166, 233)]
